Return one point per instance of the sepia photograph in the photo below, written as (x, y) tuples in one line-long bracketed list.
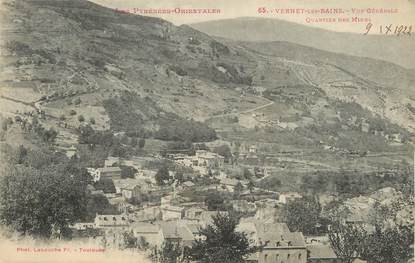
[(207, 131)]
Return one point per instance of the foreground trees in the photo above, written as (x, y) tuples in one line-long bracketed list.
[(41, 194), (221, 243), (346, 241), (302, 215), (391, 244)]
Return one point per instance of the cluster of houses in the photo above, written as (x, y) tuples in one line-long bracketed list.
[(202, 162), (366, 127), (278, 243), (178, 219)]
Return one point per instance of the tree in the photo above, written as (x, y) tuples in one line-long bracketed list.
[(171, 252), (128, 172), (224, 151), (47, 135), (98, 204), (141, 143), (92, 120), (77, 101), (347, 241), (214, 202), (134, 142), (129, 240), (21, 154), (39, 201), (179, 177), (238, 189), (251, 186), (221, 242), (81, 118), (302, 215), (388, 245), (142, 243), (315, 183), (185, 130), (162, 175)]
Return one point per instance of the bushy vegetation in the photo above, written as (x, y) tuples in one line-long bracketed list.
[(178, 70), (23, 49), (185, 130), (87, 135), (219, 48), (125, 112), (392, 244), (221, 242), (128, 172), (163, 175), (224, 151), (42, 192), (97, 145), (350, 183), (302, 215)]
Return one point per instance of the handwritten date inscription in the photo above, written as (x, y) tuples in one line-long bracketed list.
[(397, 30)]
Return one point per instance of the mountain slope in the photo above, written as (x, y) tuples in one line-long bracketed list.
[(81, 59), (389, 48), (70, 48), (385, 89)]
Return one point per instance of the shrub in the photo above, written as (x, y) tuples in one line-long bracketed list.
[(186, 130), (77, 101)]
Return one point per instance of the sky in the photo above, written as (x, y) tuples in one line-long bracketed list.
[(249, 8)]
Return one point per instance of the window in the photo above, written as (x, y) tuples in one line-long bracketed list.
[(266, 258), (299, 256)]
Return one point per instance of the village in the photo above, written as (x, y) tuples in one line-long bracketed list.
[(154, 211)]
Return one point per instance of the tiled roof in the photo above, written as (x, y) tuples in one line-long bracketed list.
[(321, 251), (173, 208), (109, 169), (142, 227), (274, 234), (175, 230)]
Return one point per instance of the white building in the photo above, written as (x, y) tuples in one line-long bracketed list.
[(105, 173), (202, 161), (170, 212)]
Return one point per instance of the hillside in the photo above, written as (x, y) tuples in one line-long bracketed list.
[(87, 50), (383, 88), (389, 48), (78, 62)]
